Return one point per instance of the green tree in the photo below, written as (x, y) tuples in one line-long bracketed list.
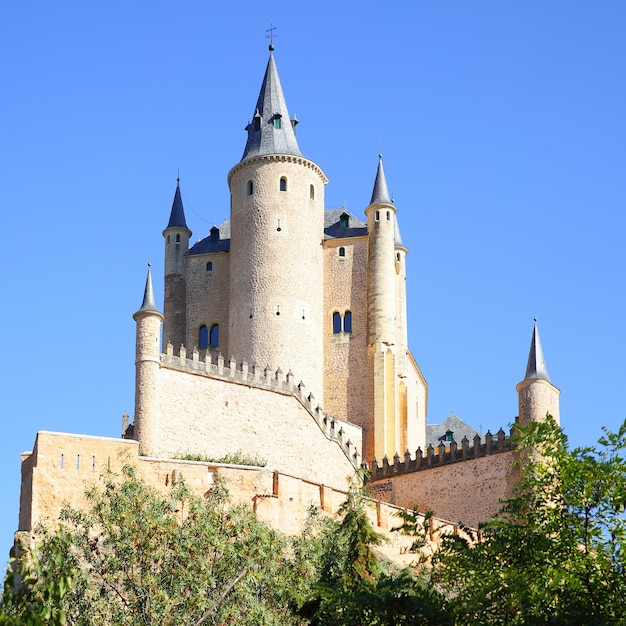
[(555, 553)]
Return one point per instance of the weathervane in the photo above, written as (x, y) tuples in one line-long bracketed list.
[(271, 35)]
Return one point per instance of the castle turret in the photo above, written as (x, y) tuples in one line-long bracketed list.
[(536, 394), (382, 324), (276, 271), (175, 292), (147, 364)]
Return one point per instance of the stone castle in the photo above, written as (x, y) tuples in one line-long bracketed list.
[(283, 337)]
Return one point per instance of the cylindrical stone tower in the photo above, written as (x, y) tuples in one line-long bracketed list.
[(147, 366), (276, 272), (537, 395), (176, 237)]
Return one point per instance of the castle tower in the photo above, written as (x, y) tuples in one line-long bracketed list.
[(537, 395), (382, 323), (276, 271), (147, 365), (176, 237)]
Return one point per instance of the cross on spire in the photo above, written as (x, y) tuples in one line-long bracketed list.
[(271, 35)]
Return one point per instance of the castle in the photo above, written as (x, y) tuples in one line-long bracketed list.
[(283, 336)]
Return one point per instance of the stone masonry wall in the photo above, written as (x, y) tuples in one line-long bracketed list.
[(207, 298), (467, 491), (62, 467), (347, 375), (209, 415)]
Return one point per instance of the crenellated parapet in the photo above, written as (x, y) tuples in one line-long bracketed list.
[(444, 454), (347, 436)]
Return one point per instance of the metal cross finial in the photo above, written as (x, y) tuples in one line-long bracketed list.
[(271, 35)]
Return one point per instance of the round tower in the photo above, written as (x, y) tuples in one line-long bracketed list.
[(176, 237), (381, 278), (147, 366), (537, 396), (276, 271)]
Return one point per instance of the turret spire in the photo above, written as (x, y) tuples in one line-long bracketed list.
[(148, 305), (380, 194), (271, 131), (177, 215), (536, 368)]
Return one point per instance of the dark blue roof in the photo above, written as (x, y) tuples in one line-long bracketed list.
[(333, 228), (218, 240), (177, 215)]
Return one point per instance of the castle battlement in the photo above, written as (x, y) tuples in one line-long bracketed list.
[(201, 364), (443, 455)]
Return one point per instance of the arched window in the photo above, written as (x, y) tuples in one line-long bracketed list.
[(377, 215), (387, 215), (312, 192), (342, 251), (283, 184), (336, 323), (347, 322), (209, 266), (250, 187), (203, 337), (214, 337), (344, 220), (178, 238)]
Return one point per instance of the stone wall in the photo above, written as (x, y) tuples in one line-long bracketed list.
[(62, 467), (231, 408)]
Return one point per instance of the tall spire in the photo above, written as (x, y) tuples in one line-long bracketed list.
[(148, 305), (271, 131), (536, 368), (380, 194), (177, 216)]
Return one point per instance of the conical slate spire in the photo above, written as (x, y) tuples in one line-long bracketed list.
[(271, 131), (380, 194), (177, 216), (148, 305), (536, 368)]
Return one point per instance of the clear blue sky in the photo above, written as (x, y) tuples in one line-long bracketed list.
[(503, 128)]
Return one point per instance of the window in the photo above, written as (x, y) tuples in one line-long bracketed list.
[(257, 122), (336, 323), (203, 338), (178, 238), (277, 122), (377, 215), (250, 187), (214, 338), (344, 220), (209, 266), (342, 251), (387, 215), (398, 257), (312, 192), (347, 322), (215, 234), (283, 184), (168, 239)]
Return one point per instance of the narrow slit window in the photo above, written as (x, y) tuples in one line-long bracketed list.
[(312, 192), (347, 322), (214, 336), (387, 215), (62, 461), (203, 337), (250, 187), (178, 238), (283, 184), (78, 461), (336, 323), (377, 215)]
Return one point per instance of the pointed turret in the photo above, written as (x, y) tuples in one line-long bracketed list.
[(537, 395), (536, 367), (271, 131), (380, 193), (177, 215), (148, 305), (177, 236), (147, 364)]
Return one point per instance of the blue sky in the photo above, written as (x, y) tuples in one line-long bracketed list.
[(503, 129)]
